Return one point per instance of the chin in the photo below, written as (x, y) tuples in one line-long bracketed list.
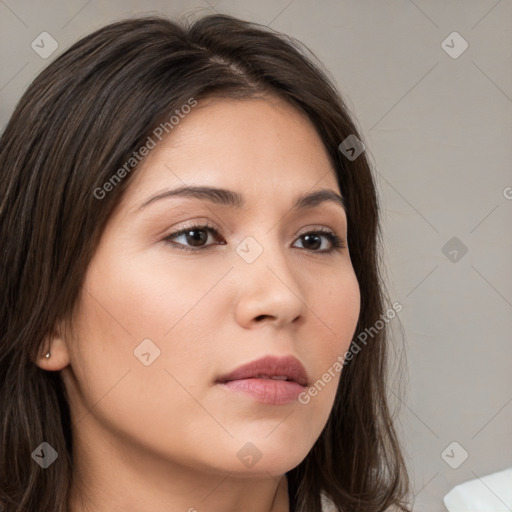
[(265, 456), (265, 470)]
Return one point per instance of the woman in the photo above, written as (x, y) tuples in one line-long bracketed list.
[(189, 231)]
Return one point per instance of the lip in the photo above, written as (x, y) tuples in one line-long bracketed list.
[(255, 379)]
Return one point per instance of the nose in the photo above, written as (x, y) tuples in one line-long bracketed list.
[(269, 291)]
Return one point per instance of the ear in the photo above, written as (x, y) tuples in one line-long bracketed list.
[(59, 353)]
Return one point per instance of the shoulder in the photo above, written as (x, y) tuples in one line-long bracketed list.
[(490, 492)]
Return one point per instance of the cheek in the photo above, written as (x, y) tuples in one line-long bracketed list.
[(132, 307), (151, 404), (149, 297), (336, 303), (335, 309)]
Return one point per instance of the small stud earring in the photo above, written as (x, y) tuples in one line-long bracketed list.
[(47, 355)]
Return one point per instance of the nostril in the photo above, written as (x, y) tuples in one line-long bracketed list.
[(262, 317)]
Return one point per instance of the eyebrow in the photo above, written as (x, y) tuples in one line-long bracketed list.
[(235, 200)]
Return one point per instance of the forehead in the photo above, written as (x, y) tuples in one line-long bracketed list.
[(252, 145)]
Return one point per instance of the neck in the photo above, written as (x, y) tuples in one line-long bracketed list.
[(136, 481)]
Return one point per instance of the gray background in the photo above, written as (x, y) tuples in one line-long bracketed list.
[(438, 130)]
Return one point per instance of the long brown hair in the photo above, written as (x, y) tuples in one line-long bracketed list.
[(80, 121)]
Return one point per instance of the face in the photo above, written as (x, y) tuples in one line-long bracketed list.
[(164, 315)]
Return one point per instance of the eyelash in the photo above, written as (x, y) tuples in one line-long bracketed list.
[(336, 242)]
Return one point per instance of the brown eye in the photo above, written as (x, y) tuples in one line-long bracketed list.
[(194, 236), (312, 241)]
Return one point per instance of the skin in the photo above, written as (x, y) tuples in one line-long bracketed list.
[(165, 437)]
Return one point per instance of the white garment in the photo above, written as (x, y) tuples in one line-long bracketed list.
[(490, 493), (327, 504)]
